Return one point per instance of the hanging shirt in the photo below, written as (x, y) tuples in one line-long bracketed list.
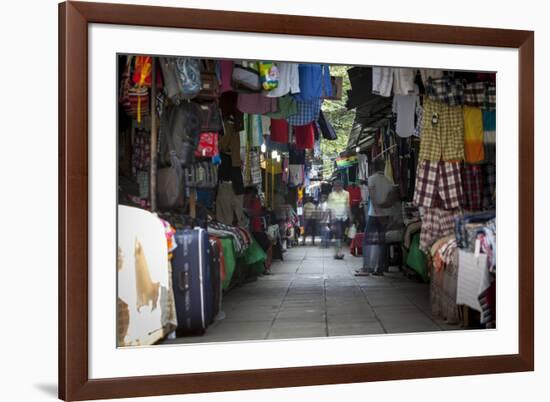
[(286, 106), (404, 107), (307, 112), (279, 131), (314, 82), (289, 80), (362, 167), (473, 135)]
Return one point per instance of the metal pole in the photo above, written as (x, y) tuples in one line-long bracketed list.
[(153, 149)]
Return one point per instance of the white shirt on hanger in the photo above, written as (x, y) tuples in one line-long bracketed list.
[(289, 80)]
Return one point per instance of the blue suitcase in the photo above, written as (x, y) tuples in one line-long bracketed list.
[(192, 281)]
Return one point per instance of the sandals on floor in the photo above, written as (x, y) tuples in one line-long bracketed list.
[(361, 273)]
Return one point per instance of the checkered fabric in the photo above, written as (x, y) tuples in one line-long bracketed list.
[(438, 184), (489, 188), (472, 182), (446, 89), (491, 102), (307, 111), (442, 132), (475, 94), (436, 223), (254, 175)]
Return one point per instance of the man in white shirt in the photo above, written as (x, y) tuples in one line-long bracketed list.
[(339, 210)]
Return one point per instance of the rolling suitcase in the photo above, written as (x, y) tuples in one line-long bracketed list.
[(192, 280)]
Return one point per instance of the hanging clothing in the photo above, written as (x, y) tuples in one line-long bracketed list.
[(472, 181), (226, 72), (382, 81), (442, 132), (426, 73), (279, 131), (307, 111), (436, 223), (438, 184), (489, 135), (403, 81), (286, 106), (404, 107), (305, 136), (473, 135), (230, 143), (289, 80), (229, 205), (314, 82), (446, 89), (256, 103), (362, 167), (295, 175)]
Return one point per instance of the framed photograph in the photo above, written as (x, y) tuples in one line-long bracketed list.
[(261, 200)]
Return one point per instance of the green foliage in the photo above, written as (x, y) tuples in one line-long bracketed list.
[(341, 119)]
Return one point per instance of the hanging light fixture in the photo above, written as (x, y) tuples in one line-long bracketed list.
[(263, 147), (274, 154)]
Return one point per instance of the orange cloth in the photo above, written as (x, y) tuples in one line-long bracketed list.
[(473, 135)]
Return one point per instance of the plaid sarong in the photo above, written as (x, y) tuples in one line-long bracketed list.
[(472, 181), (446, 89), (436, 223), (489, 188), (480, 94), (438, 184), (475, 94)]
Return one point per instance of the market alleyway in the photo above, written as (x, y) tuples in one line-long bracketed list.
[(310, 294)]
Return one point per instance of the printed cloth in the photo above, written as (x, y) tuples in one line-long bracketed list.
[(438, 184), (436, 223), (241, 238), (489, 188), (442, 132), (306, 112), (256, 103), (446, 89), (252, 175), (472, 182)]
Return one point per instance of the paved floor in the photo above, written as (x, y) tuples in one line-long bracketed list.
[(312, 295)]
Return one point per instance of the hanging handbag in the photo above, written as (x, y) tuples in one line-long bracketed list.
[(326, 128), (170, 189), (182, 77), (209, 82), (246, 78)]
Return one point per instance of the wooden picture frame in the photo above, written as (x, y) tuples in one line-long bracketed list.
[(74, 381)]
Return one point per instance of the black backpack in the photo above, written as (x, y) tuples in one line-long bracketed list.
[(180, 127)]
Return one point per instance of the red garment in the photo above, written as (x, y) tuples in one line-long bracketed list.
[(354, 195), (305, 136), (255, 213), (279, 131)]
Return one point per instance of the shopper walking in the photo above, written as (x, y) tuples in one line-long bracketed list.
[(338, 207), (311, 220)]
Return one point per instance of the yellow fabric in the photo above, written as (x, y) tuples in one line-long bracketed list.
[(277, 166), (473, 135)]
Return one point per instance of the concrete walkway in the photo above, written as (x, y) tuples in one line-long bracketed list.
[(310, 294)]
